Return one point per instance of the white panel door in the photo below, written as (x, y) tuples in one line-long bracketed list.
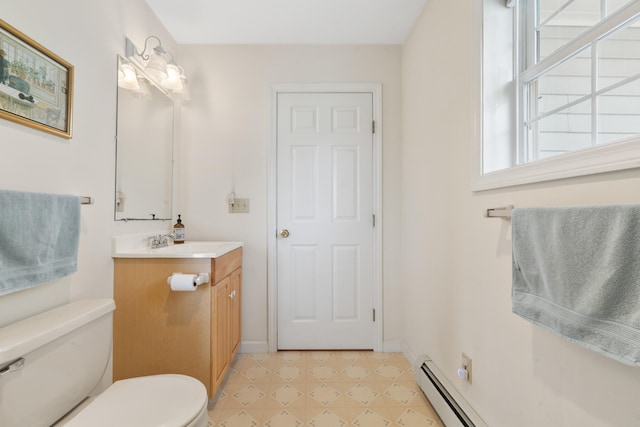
[(325, 220)]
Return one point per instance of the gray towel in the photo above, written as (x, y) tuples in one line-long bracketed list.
[(576, 271), (39, 235)]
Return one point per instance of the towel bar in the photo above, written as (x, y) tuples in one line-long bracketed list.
[(503, 212), (86, 200)]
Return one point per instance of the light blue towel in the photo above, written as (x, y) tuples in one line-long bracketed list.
[(39, 236), (576, 271)]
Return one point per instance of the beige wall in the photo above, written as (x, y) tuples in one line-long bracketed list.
[(225, 142), (457, 265), (447, 270), (88, 35)]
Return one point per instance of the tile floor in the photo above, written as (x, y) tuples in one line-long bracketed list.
[(321, 389)]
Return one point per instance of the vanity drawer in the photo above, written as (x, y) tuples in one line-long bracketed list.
[(224, 265)]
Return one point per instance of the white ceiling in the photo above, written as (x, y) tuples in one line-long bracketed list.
[(288, 21)]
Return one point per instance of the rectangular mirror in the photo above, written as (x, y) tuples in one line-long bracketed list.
[(144, 147)]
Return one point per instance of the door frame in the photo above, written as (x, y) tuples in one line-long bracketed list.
[(272, 258)]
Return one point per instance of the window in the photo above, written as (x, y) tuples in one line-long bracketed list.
[(573, 97), (580, 82)]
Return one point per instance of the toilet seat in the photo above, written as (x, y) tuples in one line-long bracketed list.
[(169, 400)]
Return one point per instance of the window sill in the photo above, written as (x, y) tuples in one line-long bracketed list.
[(606, 158)]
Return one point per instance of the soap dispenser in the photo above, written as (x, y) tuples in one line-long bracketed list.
[(178, 231)]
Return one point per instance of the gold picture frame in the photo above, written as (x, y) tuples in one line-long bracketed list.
[(36, 85)]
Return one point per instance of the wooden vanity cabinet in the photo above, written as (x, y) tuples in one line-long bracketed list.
[(235, 323), (226, 318), (159, 331), (225, 324)]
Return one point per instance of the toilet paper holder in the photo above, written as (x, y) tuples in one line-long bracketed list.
[(200, 278)]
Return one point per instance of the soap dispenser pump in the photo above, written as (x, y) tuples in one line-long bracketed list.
[(178, 231)]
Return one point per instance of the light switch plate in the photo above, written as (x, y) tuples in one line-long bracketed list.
[(240, 206)]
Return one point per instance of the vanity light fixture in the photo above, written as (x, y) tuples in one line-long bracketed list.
[(143, 90), (160, 66), (184, 94), (127, 76), (172, 82)]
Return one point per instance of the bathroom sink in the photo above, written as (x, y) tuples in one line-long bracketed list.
[(199, 249), (193, 249)]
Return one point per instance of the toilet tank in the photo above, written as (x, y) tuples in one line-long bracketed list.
[(51, 361)]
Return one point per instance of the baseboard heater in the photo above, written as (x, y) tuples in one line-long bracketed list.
[(451, 407)]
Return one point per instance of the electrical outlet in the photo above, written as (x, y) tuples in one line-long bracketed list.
[(466, 365), (239, 206)]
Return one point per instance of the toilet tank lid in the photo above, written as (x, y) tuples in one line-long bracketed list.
[(24, 336)]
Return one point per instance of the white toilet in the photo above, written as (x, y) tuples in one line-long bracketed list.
[(51, 362)]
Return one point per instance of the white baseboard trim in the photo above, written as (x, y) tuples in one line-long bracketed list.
[(263, 347), (392, 347), (410, 355), (254, 347)]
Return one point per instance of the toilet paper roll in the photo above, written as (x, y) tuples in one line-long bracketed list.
[(183, 282)]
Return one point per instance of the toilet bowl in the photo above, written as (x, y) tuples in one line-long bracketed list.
[(51, 362), (159, 400)]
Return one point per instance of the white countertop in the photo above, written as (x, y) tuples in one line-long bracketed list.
[(123, 248)]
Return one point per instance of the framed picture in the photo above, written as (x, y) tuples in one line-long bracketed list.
[(36, 85)]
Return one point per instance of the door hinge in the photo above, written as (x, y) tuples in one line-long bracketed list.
[(373, 126), (374, 314), (374, 220)]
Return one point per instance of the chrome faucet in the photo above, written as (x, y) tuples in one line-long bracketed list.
[(161, 240)]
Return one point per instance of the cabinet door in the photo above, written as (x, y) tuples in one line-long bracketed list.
[(220, 327), (157, 330), (235, 311)]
